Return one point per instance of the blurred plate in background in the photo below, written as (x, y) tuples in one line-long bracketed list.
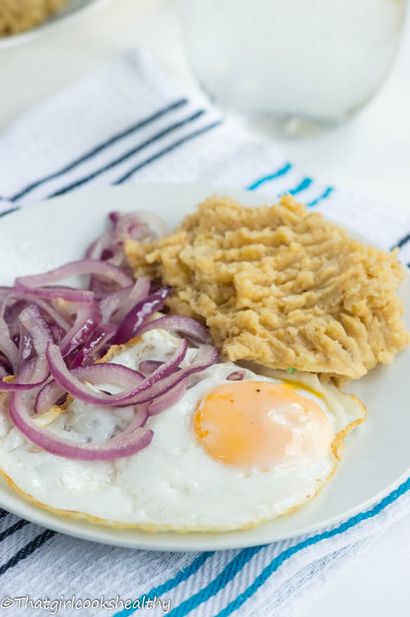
[(73, 9)]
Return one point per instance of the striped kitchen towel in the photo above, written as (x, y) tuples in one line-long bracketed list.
[(128, 124)]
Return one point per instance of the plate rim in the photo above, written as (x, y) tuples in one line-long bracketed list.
[(68, 527)]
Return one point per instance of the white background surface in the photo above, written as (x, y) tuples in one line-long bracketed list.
[(371, 155)]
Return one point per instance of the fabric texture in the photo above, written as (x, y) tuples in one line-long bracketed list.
[(128, 124)]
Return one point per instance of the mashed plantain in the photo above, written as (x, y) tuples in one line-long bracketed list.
[(281, 286)]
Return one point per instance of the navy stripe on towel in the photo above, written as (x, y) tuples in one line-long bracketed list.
[(148, 142), (100, 147), (166, 150), (27, 550), (402, 242), (9, 211), (10, 530)]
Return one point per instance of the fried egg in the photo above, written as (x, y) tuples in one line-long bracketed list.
[(229, 455)]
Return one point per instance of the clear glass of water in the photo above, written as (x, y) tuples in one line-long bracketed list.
[(300, 62)]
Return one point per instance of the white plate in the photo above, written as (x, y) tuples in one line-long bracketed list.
[(72, 9), (376, 456)]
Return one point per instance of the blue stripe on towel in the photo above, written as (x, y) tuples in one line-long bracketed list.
[(326, 193), (292, 550), (224, 577), (282, 171), (182, 576), (242, 558), (303, 185)]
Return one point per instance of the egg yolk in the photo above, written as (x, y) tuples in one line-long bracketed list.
[(261, 424)]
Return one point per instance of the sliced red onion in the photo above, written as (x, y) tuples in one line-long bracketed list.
[(56, 293), (168, 399), (4, 300), (96, 374), (236, 375), (49, 328), (38, 375), (96, 248), (11, 323), (40, 334), (111, 303), (71, 384), (205, 357), (140, 418), (148, 366), (49, 310), (136, 317), (109, 373), (75, 268), (48, 396), (38, 328), (124, 444), (9, 349), (174, 323), (26, 346), (139, 225), (95, 345), (87, 319), (116, 305), (45, 307)]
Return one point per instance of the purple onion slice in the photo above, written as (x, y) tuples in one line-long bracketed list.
[(236, 376), (124, 444), (74, 386), (75, 268), (175, 323), (133, 321)]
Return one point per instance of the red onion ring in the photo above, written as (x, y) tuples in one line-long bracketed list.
[(205, 357), (9, 350), (124, 444), (141, 225), (51, 335), (168, 399), (95, 374), (87, 319), (175, 323), (132, 322), (71, 384), (75, 268), (95, 344), (45, 307), (56, 293), (117, 304), (236, 376), (148, 366)]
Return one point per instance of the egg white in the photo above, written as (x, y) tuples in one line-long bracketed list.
[(173, 484)]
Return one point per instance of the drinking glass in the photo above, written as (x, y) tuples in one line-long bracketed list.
[(301, 62)]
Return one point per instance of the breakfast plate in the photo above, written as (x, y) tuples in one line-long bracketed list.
[(72, 10), (375, 460)]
